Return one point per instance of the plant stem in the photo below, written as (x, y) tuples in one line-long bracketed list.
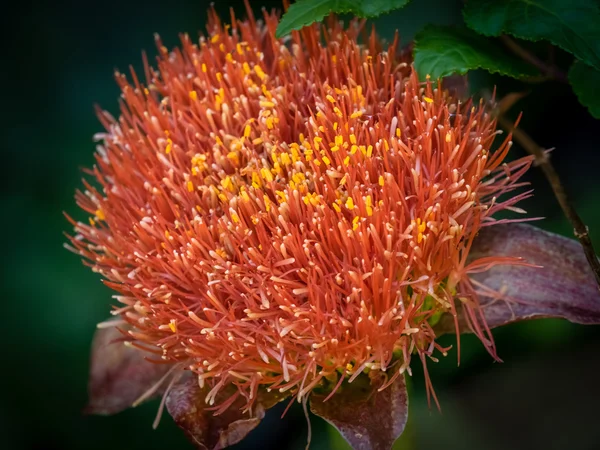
[(541, 159), (547, 69)]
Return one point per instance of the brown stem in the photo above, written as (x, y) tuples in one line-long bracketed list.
[(547, 69), (542, 160)]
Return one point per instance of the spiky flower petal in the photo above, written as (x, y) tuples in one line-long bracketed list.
[(291, 213)]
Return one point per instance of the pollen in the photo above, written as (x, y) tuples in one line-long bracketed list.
[(100, 214)]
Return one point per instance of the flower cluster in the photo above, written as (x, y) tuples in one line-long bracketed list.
[(287, 214)]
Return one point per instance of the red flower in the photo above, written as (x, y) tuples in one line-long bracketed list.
[(290, 214)]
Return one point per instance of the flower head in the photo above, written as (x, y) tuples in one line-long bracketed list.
[(287, 214)]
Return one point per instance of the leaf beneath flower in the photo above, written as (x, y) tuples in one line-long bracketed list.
[(367, 419), (119, 374), (564, 287), (186, 404)]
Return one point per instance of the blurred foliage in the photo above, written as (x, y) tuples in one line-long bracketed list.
[(60, 62)]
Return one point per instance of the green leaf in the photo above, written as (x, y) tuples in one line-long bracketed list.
[(585, 81), (573, 25), (442, 50), (306, 12)]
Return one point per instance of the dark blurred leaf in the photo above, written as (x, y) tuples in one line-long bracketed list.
[(306, 12), (585, 81), (564, 287), (368, 420), (119, 375), (186, 404), (572, 25), (442, 50)]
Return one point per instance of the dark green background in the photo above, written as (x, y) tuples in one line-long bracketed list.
[(58, 61)]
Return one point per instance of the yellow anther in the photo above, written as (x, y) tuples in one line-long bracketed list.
[(381, 180), (239, 49), (339, 140), (215, 39), (285, 159), (355, 223), (204, 68), (448, 136), (369, 205), (190, 186), (233, 157), (267, 202), (335, 126), (346, 160), (427, 99), (350, 203), (326, 160), (344, 179), (266, 92), (398, 132), (169, 146), (370, 150), (235, 217), (330, 98), (227, 183), (259, 72), (336, 207), (257, 141), (356, 114), (333, 59), (228, 57), (246, 68), (193, 96), (100, 214), (247, 130), (352, 139), (266, 174), (173, 326), (281, 196)]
